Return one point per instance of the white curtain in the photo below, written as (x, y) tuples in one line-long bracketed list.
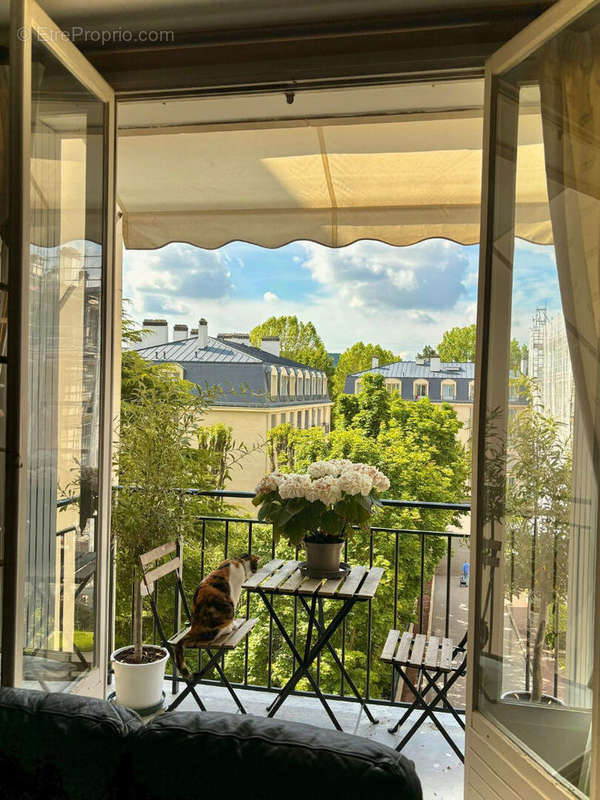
[(570, 93)]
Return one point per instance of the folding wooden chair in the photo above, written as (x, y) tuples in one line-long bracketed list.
[(152, 571), (433, 658)]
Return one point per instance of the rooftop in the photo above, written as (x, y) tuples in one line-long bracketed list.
[(416, 369)]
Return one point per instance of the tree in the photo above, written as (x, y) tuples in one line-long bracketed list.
[(416, 446), (358, 358), (458, 344), (427, 352), (537, 520), (518, 353), (299, 341)]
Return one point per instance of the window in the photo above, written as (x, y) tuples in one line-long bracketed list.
[(284, 383), (313, 384), (318, 416), (299, 419), (471, 391), (300, 385), (273, 420), (274, 388), (292, 383), (448, 391), (392, 386), (306, 418), (357, 387), (420, 389)]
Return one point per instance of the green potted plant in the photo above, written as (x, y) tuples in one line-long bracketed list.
[(320, 508), (155, 457)]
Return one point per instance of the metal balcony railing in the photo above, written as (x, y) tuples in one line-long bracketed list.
[(409, 556)]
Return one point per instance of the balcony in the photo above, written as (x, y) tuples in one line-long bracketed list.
[(420, 591)]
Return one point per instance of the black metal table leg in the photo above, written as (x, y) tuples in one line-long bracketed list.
[(320, 628), (303, 669)]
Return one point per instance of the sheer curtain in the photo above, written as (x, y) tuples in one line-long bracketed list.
[(570, 95)]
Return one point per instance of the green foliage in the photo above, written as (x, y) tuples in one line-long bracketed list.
[(358, 358), (538, 502), (299, 341), (427, 352), (458, 344)]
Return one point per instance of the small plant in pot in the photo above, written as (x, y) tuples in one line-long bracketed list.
[(320, 508)]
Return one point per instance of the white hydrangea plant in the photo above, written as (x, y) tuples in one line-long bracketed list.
[(327, 501)]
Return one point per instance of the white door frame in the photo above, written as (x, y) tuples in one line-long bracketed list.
[(28, 20), (495, 765)]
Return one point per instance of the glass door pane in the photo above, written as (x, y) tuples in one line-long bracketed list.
[(538, 491), (66, 297)]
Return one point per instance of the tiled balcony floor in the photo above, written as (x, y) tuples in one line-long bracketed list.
[(440, 771)]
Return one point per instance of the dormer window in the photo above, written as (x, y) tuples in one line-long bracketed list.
[(448, 391), (274, 387), (284, 390), (471, 391), (300, 385), (420, 389)]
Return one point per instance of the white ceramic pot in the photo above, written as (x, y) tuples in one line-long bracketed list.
[(139, 686)]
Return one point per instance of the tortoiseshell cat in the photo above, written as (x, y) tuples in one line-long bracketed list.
[(214, 603)]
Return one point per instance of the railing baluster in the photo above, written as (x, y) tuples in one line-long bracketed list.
[(448, 579), (246, 643), (422, 583)]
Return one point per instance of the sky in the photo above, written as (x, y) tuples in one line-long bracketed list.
[(399, 297)]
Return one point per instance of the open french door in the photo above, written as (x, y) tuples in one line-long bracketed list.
[(59, 282), (534, 659)]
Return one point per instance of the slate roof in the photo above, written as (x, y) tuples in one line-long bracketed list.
[(242, 372), (410, 369)]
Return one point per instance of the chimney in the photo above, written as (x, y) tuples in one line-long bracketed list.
[(435, 363), (202, 334), (271, 344), (194, 332), (180, 332), (157, 332), (374, 362)]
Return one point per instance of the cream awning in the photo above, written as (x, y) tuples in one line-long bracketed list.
[(399, 178)]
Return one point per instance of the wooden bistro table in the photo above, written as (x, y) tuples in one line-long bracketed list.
[(285, 578)]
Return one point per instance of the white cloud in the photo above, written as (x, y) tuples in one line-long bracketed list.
[(375, 276), (401, 298)]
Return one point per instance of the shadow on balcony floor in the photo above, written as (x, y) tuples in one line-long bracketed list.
[(440, 771)]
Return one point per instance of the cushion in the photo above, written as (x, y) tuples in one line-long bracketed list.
[(61, 747), (187, 755)]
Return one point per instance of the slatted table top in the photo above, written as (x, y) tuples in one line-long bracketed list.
[(285, 577)]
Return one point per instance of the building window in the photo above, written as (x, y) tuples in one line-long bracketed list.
[(392, 386), (356, 387), (300, 384), (318, 416), (313, 384), (449, 391), (420, 389), (299, 419), (273, 382), (273, 420), (471, 391), (284, 383), (292, 383), (306, 418), (283, 419)]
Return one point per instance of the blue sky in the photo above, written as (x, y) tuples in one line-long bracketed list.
[(399, 297)]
